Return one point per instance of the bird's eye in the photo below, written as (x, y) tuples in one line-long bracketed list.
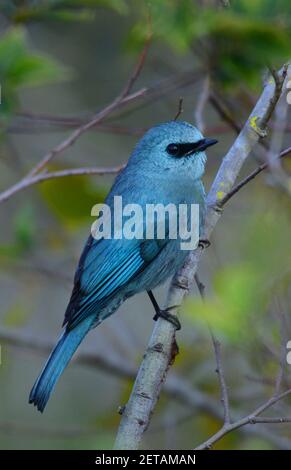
[(173, 149)]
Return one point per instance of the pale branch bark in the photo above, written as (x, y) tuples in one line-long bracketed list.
[(268, 420), (162, 348), (249, 419), (176, 388)]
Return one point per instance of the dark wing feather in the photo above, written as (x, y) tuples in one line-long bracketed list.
[(105, 267)]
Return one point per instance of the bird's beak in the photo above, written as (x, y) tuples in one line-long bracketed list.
[(205, 143)]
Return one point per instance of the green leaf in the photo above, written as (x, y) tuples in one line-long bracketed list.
[(78, 195)]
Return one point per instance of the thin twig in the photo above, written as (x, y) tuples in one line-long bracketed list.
[(200, 286), (249, 419), (222, 382), (250, 177), (223, 112), (121, 100), (180, 109), (41, 177), (137, 70)]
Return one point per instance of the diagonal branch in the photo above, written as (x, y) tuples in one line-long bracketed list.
[(45, 176), (161, 349), (124, 98), (249, 419), (250, 177)]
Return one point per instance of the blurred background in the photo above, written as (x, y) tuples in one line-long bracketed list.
[(61, 61)]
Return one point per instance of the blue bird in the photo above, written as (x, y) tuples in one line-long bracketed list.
[(165, 167)]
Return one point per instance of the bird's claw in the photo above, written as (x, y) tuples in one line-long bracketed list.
[(166, 315)]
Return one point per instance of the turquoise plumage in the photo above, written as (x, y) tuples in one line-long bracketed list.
[(165, 167)]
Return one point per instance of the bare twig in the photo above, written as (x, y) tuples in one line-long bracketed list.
[(217, 352), (222, 382), (41, 177), (250, 177), (138, 68), (120, 100), (249, 419), (279, 79), (200, 286), (180, 109)]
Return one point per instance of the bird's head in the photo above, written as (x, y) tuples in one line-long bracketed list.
[(173, 147)]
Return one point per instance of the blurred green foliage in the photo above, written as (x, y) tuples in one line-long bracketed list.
[(58, 10), (234, 44), (71, 199), (243, 291), (19, 67), (24, 230), (17, 315)]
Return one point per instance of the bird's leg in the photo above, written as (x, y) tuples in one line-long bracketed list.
[(204, 243), (164, 313)]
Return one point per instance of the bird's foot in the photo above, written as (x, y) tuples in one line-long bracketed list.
[(166, 315), (203, 243)]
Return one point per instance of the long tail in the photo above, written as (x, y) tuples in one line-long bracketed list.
[(56, 363)]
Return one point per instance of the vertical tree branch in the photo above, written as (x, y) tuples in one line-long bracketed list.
[(162, 349)]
